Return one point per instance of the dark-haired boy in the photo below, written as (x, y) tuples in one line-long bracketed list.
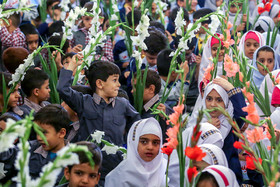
[(32, 36), (103, 111), (83, 174), (163, 64), (151, 98), (35, 85), (54, 121)]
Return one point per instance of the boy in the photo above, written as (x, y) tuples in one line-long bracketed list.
[(54, 121), (75, 125), (14, 56), (163, 63), (35, 85), (151, 98), (81, 37), (83, 174), (32, 36), (103, 111), (10, 34)]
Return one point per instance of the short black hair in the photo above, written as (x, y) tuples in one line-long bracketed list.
[(15, 17), (28, 28), (56, 26), (174, 12), (7, 78), (50, 2), (156, 42), (206, 176), (164, 62), (201, 13), (158, 26), (95, 151), (33, 78), (101, 70), (152, 79), (71, 54), (56, 40), (83, 2), (259, 29), (137, 17), (265, 48), (54, 115)]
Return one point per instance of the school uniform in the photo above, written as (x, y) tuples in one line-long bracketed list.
[(29, 105), (95, 114)]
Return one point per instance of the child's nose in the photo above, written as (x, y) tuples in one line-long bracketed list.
[(85, 179)]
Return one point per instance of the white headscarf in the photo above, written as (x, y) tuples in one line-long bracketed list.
[(134, 171), (209, 135), (277, 41), (241, 45), (223, 175), (212, 5), (205, 61), (214, 155), (274, 10), (265, 22), (257, 76), (275, 118), (225, 126)]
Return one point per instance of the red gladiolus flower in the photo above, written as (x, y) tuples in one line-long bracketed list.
[(195, 153), (266, 7), (196, 137), (238, 145), (192, 172), (167, 150), (250, 162)]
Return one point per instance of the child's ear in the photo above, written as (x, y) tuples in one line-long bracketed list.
[(99, 84), (67, 173), (36, 92), (152, 88), (62, 133)]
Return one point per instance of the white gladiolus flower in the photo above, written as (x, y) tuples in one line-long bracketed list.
[(114, 17), (180, 22), (215, 23), (136, 3), (115, 8), (124, 155), (97, 136), (110, 149), (137, 56)]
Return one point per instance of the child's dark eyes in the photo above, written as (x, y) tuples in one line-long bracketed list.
[(79, 173), (209, 98), (93, 175)]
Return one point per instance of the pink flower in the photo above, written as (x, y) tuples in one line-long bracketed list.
[(172, 141), (230, 67), (229, 25), (255, 135), (174, 117), (241, 76), (228, 42), (207, 74)]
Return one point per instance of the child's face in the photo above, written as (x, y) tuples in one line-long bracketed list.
[(54, 139), (56, 14), (32, 41), (82, 175), (111, 86), (44, 91), (234, 9), (13, 99), (250, 47), (87, 21), (213, 99), (214, 50), (50, 9), (148, 147), (267, 59), (151, 59)]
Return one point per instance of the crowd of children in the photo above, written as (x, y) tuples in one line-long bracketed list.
[(103, 98)]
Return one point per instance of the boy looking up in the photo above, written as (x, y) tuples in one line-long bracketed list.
[(103, 111), (83, 174), (35, 85)]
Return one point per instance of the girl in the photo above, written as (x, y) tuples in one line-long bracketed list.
[(145, 165), (210, 51), (249, 43), (267, 56), (222, 93), (263, 24), (209, 135), (217, 176), (214, 156)]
